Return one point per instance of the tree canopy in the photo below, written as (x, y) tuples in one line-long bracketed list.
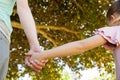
[(59, 22)]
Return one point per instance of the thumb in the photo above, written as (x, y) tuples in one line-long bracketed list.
[(28, 54)]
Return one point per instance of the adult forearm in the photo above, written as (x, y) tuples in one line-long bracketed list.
[(28, 24)]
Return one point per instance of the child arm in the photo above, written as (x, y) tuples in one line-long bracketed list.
[(71, 48)]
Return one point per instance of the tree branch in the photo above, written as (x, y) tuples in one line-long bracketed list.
[(47, 37), (79, 7), (18, 26)]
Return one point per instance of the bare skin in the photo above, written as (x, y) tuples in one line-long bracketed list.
[(72, 48), (77, 47), (29, 27)]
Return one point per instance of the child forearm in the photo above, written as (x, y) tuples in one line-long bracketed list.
[(74, 48), (64, 50)]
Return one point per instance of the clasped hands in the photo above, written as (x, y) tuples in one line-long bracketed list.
[(35, 64)]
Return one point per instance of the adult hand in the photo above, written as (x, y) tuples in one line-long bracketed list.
[(36, 65)]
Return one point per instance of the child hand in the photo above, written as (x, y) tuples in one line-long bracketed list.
[(38, 56)]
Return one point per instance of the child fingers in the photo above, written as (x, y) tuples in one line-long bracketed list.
[(36, 65), (40, 63), (34, 68), (44, 61)]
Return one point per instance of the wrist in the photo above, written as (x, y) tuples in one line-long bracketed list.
[(34, 45), (45, 54), (40, 56), (35, 48)]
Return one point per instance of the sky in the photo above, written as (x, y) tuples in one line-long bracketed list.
[(88, 74)]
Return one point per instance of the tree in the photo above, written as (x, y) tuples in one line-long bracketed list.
[(59, 22)]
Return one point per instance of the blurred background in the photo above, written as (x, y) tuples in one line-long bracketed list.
[(59, 22)]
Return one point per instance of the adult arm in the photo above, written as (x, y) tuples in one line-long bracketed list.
[(28, 25)]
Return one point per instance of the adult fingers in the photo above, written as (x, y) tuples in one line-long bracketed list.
[(33, 65), (27, 61)]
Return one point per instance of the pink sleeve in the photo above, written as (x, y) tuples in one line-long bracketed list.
[(111, 34)]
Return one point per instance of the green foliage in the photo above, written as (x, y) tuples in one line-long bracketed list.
[(70, 20)]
